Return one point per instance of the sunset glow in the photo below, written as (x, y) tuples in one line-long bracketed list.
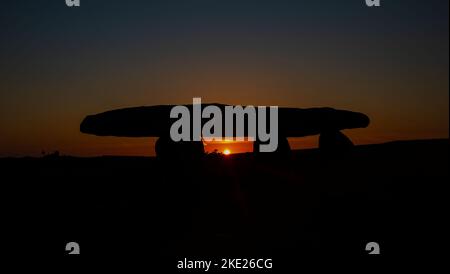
[(227, 152), (233, 147), (294, 54)]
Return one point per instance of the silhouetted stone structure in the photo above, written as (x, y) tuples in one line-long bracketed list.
[(155, 121)]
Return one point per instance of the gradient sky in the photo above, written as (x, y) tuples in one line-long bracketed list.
[(58, 64)]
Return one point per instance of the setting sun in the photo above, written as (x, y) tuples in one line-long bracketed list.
[(228, 147)]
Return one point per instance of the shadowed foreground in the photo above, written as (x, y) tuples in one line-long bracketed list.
[(151, 211)]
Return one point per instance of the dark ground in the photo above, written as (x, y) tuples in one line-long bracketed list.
[(143, 211)]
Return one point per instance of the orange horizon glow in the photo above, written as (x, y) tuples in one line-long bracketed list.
[(228, 147)]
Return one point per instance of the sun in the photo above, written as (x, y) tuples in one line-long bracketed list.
[(227, 151)]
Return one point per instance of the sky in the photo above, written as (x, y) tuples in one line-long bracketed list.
[(59, 64)]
